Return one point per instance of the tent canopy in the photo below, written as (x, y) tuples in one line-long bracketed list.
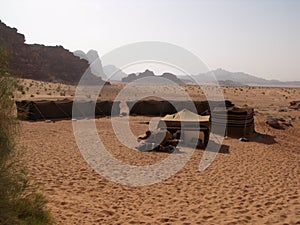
[(186, 116), (188, 122), (184, 119)]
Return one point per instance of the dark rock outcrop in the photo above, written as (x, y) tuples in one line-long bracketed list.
[(295, 105), (274, 122), (279, 122), (44, 63)]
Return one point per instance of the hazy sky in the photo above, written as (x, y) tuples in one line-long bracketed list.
[(257, 37)]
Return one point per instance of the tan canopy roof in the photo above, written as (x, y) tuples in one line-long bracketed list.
[(185, 118)]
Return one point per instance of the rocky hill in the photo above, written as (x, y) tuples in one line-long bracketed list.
[(114, 73), (44, 63), (94, 61), (150, 77)]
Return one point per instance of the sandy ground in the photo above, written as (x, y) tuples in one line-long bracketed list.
[(254, 182)]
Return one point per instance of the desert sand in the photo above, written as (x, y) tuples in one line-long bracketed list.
[(254, 182)]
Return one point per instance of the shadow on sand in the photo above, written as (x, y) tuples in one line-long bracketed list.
[(263, 139), (214, 147)]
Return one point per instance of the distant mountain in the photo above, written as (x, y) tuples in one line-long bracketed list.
[(114, 73), (234, 79), (230, 83), (149, 77), (109, 72), (80, 54), (238, 77), (94, 60), (44, 63)]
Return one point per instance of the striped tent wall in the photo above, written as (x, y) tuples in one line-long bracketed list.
[(237, 121)]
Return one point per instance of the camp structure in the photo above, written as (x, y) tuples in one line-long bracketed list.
[(192, 126), (234, 121), (238, 122), (163, 107), (63, 109)]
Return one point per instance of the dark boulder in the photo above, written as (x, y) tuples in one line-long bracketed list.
[(279, 122), (295, 105), (274, 122)]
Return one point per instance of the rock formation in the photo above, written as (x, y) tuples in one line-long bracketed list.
[(94, 61), (44, 63), (279, 122), (295, 105), (152, 78)]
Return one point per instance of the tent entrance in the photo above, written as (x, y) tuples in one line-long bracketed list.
[(192, 128)]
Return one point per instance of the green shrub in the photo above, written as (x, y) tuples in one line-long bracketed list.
[(19, 202), (20, 88)]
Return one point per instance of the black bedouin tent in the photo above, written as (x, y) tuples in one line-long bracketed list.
[(162, 108), (237, 121), (62, 109)]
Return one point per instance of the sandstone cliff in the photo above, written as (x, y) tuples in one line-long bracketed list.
[(44, 63)]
